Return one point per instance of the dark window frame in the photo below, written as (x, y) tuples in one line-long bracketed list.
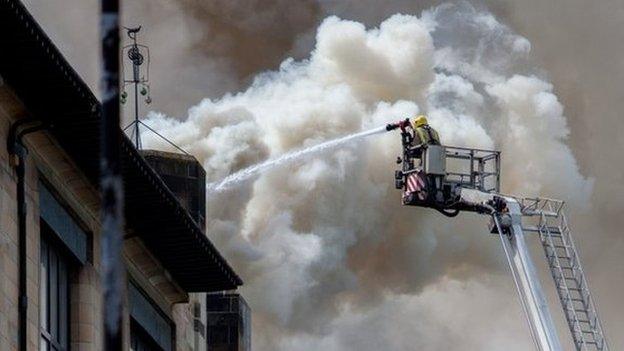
[(135, 325), (140, 340), (54, 323), (44, 182)]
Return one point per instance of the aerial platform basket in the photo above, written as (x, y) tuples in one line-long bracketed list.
[(435, 175)]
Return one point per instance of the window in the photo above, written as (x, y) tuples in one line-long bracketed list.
[(150, 328), (140, 339), (54, 299)]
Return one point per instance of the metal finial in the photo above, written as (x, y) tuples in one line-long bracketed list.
[(132, 32)]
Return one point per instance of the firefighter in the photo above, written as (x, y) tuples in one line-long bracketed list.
[(423, 133), (416, 136)]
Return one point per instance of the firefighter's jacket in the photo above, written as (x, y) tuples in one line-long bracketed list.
[(425, 135)]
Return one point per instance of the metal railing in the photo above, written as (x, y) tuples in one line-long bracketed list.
[(473, 168)]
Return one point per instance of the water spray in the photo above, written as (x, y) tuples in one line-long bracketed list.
[(249, 172)]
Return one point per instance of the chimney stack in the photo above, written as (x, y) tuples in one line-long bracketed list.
[(185, 177)]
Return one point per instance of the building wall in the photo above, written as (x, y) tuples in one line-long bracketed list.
[(9, 241), (46, 159)]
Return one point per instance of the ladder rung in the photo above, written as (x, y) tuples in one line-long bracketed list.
[(561, 257), (554, 254), (568, 291), (579, 334), (559, 282), (568, 275), (586, 338), (554, 231), (579, 311), (556, 235), (527, 212), (577, 300)]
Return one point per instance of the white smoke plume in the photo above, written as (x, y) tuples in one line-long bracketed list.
[(329, 257)]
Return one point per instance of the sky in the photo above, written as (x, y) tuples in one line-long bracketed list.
[(220, 77)]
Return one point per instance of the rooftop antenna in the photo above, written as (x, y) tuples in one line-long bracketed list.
[(136, 54)]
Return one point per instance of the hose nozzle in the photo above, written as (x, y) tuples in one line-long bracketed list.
[(392, 126), (400, 124)]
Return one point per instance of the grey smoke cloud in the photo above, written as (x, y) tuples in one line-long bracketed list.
[(578, 45), (199, 48), (325, 240)]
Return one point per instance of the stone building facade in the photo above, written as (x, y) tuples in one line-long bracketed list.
[(170, 263)]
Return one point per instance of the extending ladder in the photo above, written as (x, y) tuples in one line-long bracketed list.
[(547, 218)]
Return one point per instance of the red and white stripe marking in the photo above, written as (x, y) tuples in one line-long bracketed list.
[(416, 183)]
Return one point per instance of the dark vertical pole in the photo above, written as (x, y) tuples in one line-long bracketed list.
[(135, 77), (110, 182), (136, 111)]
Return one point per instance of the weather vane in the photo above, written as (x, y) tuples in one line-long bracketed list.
[(136, 55)]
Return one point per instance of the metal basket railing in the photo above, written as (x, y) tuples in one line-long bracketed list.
[(473, 168)]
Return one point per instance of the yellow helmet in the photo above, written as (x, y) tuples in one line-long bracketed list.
[(420, 121)]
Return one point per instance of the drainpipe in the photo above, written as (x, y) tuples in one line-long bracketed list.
[(17, 152)]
